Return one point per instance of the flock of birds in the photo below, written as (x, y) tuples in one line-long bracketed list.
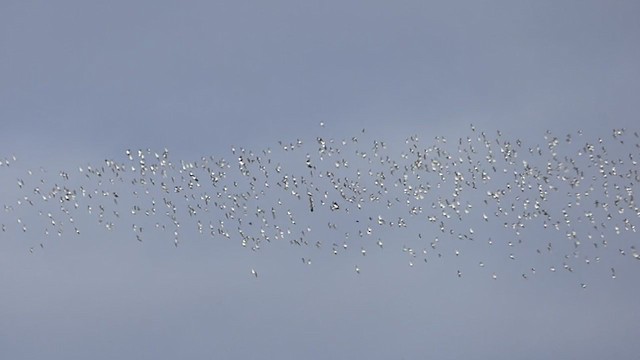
[(563, 203)]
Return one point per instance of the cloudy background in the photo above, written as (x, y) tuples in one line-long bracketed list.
[(81, 82)]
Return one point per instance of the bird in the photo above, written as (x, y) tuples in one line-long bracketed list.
[(568, 193)]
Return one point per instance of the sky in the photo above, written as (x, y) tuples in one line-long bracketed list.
[(81, 82)]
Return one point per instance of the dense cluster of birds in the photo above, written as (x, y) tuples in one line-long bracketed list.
[(568, 199)]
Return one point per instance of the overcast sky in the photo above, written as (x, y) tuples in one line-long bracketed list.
[(81, 82)]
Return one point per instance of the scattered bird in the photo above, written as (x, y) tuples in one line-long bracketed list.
[(564, 199)]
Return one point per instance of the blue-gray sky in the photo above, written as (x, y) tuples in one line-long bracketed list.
[(81, 82)]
